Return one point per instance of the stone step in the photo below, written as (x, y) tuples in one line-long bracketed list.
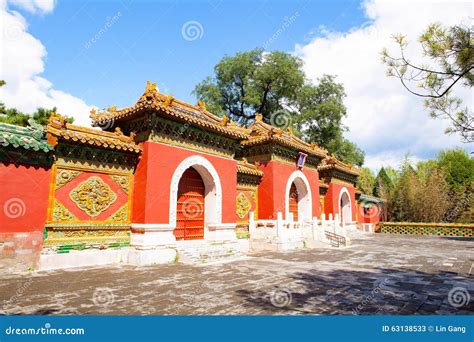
[(207, 253)]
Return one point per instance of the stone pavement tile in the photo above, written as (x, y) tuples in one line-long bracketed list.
[(387, 274)]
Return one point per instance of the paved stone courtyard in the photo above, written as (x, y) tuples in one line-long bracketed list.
[(380, 274)]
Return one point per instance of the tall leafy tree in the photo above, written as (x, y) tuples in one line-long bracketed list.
[(252, 82), (274, 84), (458, 170), (458, 167), (450, 51), (366, 181), (382, 184)]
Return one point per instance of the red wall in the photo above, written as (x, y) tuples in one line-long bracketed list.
[(371, 216), (24, 198), (23, 210), (331, 200), (271, 192), (153, 180)]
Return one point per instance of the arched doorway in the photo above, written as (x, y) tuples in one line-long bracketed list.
[(190, 206), (345, 210), (212, 191), (298, 199), (293, 201)]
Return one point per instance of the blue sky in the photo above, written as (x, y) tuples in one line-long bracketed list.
[(77, 55), (145, 42)]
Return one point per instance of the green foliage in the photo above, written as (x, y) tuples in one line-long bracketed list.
[(450, 48), (383, 183), (15, 117), (273, 84), (366, 181), (345, 150), (458, 168), (437, 190), (252, 82), (320, 111)]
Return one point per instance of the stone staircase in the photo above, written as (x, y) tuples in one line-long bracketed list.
[(202, 253)]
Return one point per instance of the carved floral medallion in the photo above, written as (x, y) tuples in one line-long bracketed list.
[(93, 196), (243, 205)]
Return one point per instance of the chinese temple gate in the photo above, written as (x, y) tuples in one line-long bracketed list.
[(159, 173)]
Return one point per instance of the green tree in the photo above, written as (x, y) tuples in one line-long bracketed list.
[(252, 82), (383, 184), (458, 168), (320, 110), (366, 181), (345, 150), (274, 84), (15, 117), (450, 50)]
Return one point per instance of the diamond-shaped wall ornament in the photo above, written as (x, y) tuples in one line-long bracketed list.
[(243, 205), (93, 196)]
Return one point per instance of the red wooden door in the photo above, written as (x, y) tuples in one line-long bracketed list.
[(190, 207), (293, 201)]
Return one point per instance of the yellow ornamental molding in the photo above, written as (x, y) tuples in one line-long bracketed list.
[(254, 196), (65, 176), (93, 196), (243, 205), (123, 182), (61, 214), (120, 215)]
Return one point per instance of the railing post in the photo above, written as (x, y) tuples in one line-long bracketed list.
[(252, 225), (279, 223)]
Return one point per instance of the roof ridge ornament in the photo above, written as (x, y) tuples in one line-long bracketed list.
[(201, 105), (151, 87), (169, 100), (225, 120)]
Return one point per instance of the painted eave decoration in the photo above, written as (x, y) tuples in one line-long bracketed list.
[(168, 106), (243, 166), (331, 163), (30, 138), (370, 199), (262, 133), (58, 129)]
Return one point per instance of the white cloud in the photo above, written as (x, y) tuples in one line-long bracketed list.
[(35, 6), (384, 119), (22, 62)]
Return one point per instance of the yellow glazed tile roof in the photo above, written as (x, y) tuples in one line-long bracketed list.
[(243, 166), (262, 132), (170, 107), (331, 162), (59, 129)]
